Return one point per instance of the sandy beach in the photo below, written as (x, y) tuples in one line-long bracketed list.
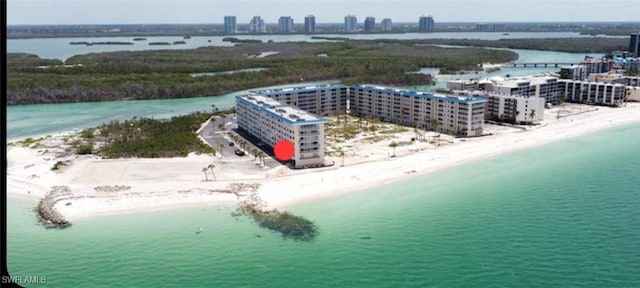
[(100, 187)]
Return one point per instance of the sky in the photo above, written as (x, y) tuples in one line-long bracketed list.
[(21, 12)]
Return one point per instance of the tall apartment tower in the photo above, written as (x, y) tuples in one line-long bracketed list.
[(350, 24), (369, 24), (386, 24), (634, 44), (309, 24), (230, 26), (285, 24), (426, 24), (257, 25)]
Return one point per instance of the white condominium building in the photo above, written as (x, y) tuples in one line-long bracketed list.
[(599, 93), (546, 87), (271, 121), (454, 114), (320, 100), (501, 107)]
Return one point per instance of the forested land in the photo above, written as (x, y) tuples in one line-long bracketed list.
[(572, 45), (160, 74), (146, 137)]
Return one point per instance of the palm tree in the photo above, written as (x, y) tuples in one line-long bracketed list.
[(562, 99), (434, 123), (255, 154), (221, 146), (342, 154), (204, 170), (261, 155), (393, 145), (515, 116), (415, 143), (531, 115), (211, 166), (464, 131)]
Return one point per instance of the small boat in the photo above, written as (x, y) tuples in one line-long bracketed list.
[(199, 230)]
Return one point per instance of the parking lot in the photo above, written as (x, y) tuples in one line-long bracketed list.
[(214, 133)]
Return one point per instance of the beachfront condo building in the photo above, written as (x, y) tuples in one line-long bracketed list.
[(426, 24), (309, 24), (598, 93), (546, 87), (350, 24), (320, 99), (285, 24), (369, 24), (552, 89), (270, 121), (230, 26), (454, 114), (500, 107), (256, 25), (573, 72), (386, 25)]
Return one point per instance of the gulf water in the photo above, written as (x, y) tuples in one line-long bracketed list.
[(565, 214)]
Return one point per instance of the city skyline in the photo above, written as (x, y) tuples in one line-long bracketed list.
[(66, 12)]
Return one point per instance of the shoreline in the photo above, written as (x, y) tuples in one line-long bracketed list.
[(162, 189)]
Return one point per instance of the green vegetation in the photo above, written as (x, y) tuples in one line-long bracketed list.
[(59, 165), (236, 40), (84, 148), (31, 142), (161, 74), (573, 45), (152, 138)]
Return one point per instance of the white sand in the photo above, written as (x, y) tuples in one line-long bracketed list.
[(177, 182)]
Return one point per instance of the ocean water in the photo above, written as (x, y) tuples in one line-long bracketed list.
[(565, 214)]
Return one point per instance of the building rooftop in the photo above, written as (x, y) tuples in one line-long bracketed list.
[(524, 81), (424, 94), (288, 114), (270, 92)]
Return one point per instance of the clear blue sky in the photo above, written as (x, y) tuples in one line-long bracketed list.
[(212, 11)]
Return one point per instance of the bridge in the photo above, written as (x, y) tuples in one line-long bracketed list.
[(537, 65)]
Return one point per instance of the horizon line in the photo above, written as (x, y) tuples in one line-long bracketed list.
[(317, 23)]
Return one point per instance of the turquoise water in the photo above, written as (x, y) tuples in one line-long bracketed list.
[(565, 214), (43, 119)]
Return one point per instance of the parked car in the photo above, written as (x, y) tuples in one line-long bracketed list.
[(239, 152)]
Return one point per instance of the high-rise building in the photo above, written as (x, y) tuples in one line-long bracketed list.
[(426, 24), (257, 25), (309, 24), (285, 24), (386, 24), (319, 100), (350, 24), (230, 26), (458, 115), (634, 44), (272, 121), (369, 24)]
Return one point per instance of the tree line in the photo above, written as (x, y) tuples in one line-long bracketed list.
[(164, 74)]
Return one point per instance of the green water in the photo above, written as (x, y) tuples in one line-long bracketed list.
[(561, 215)]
